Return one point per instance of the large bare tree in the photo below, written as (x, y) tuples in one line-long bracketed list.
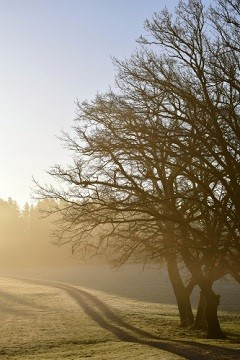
[(155, 171)]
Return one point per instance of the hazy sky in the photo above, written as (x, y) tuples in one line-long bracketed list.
[(52, 53)]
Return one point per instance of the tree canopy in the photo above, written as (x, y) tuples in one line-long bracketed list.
[(155, 171)]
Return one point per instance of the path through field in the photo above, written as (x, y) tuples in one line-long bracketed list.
[(48, 320), (108, 319)]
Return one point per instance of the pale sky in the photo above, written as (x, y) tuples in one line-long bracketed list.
[(52, 53)]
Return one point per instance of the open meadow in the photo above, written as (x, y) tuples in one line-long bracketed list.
[(47, 320), (120, 145)]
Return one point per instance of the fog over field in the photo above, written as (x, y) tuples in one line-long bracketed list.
[(132, 281), (120, 180), (27, 251)]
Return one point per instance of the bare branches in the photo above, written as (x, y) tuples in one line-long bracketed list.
[(156, 167)]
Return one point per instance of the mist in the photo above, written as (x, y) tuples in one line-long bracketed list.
[(28, 251), (26, 237)]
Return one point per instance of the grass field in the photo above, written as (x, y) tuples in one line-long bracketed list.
[(43, 320)]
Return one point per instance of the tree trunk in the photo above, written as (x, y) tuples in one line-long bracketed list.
[(212, 300), (200, 320), (181, 292), (213, 327)]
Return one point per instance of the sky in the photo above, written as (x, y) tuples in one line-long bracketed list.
[(54, 52)]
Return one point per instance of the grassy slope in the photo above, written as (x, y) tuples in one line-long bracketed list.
[(44, 322)]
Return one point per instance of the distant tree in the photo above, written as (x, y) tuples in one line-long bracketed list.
[(156, 165), (25, 237), (37, 247), (11, 231)]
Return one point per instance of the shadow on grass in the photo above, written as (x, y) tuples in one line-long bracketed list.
[(105, 317), (10, 304)]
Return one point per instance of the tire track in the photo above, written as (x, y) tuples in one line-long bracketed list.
[(105, 317)]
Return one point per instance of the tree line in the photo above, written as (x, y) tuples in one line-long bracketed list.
[(155, 171), (26, 237)]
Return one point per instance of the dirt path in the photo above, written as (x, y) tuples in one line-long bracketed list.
[(109, 320)]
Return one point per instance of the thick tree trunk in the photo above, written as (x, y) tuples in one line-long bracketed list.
[(181, 292), (212, 300), (184, 307), (213, 327), (200, 320)]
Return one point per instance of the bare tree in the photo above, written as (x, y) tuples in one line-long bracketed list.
[(156, 166)]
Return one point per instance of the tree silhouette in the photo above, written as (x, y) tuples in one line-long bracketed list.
[(155, 171)]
